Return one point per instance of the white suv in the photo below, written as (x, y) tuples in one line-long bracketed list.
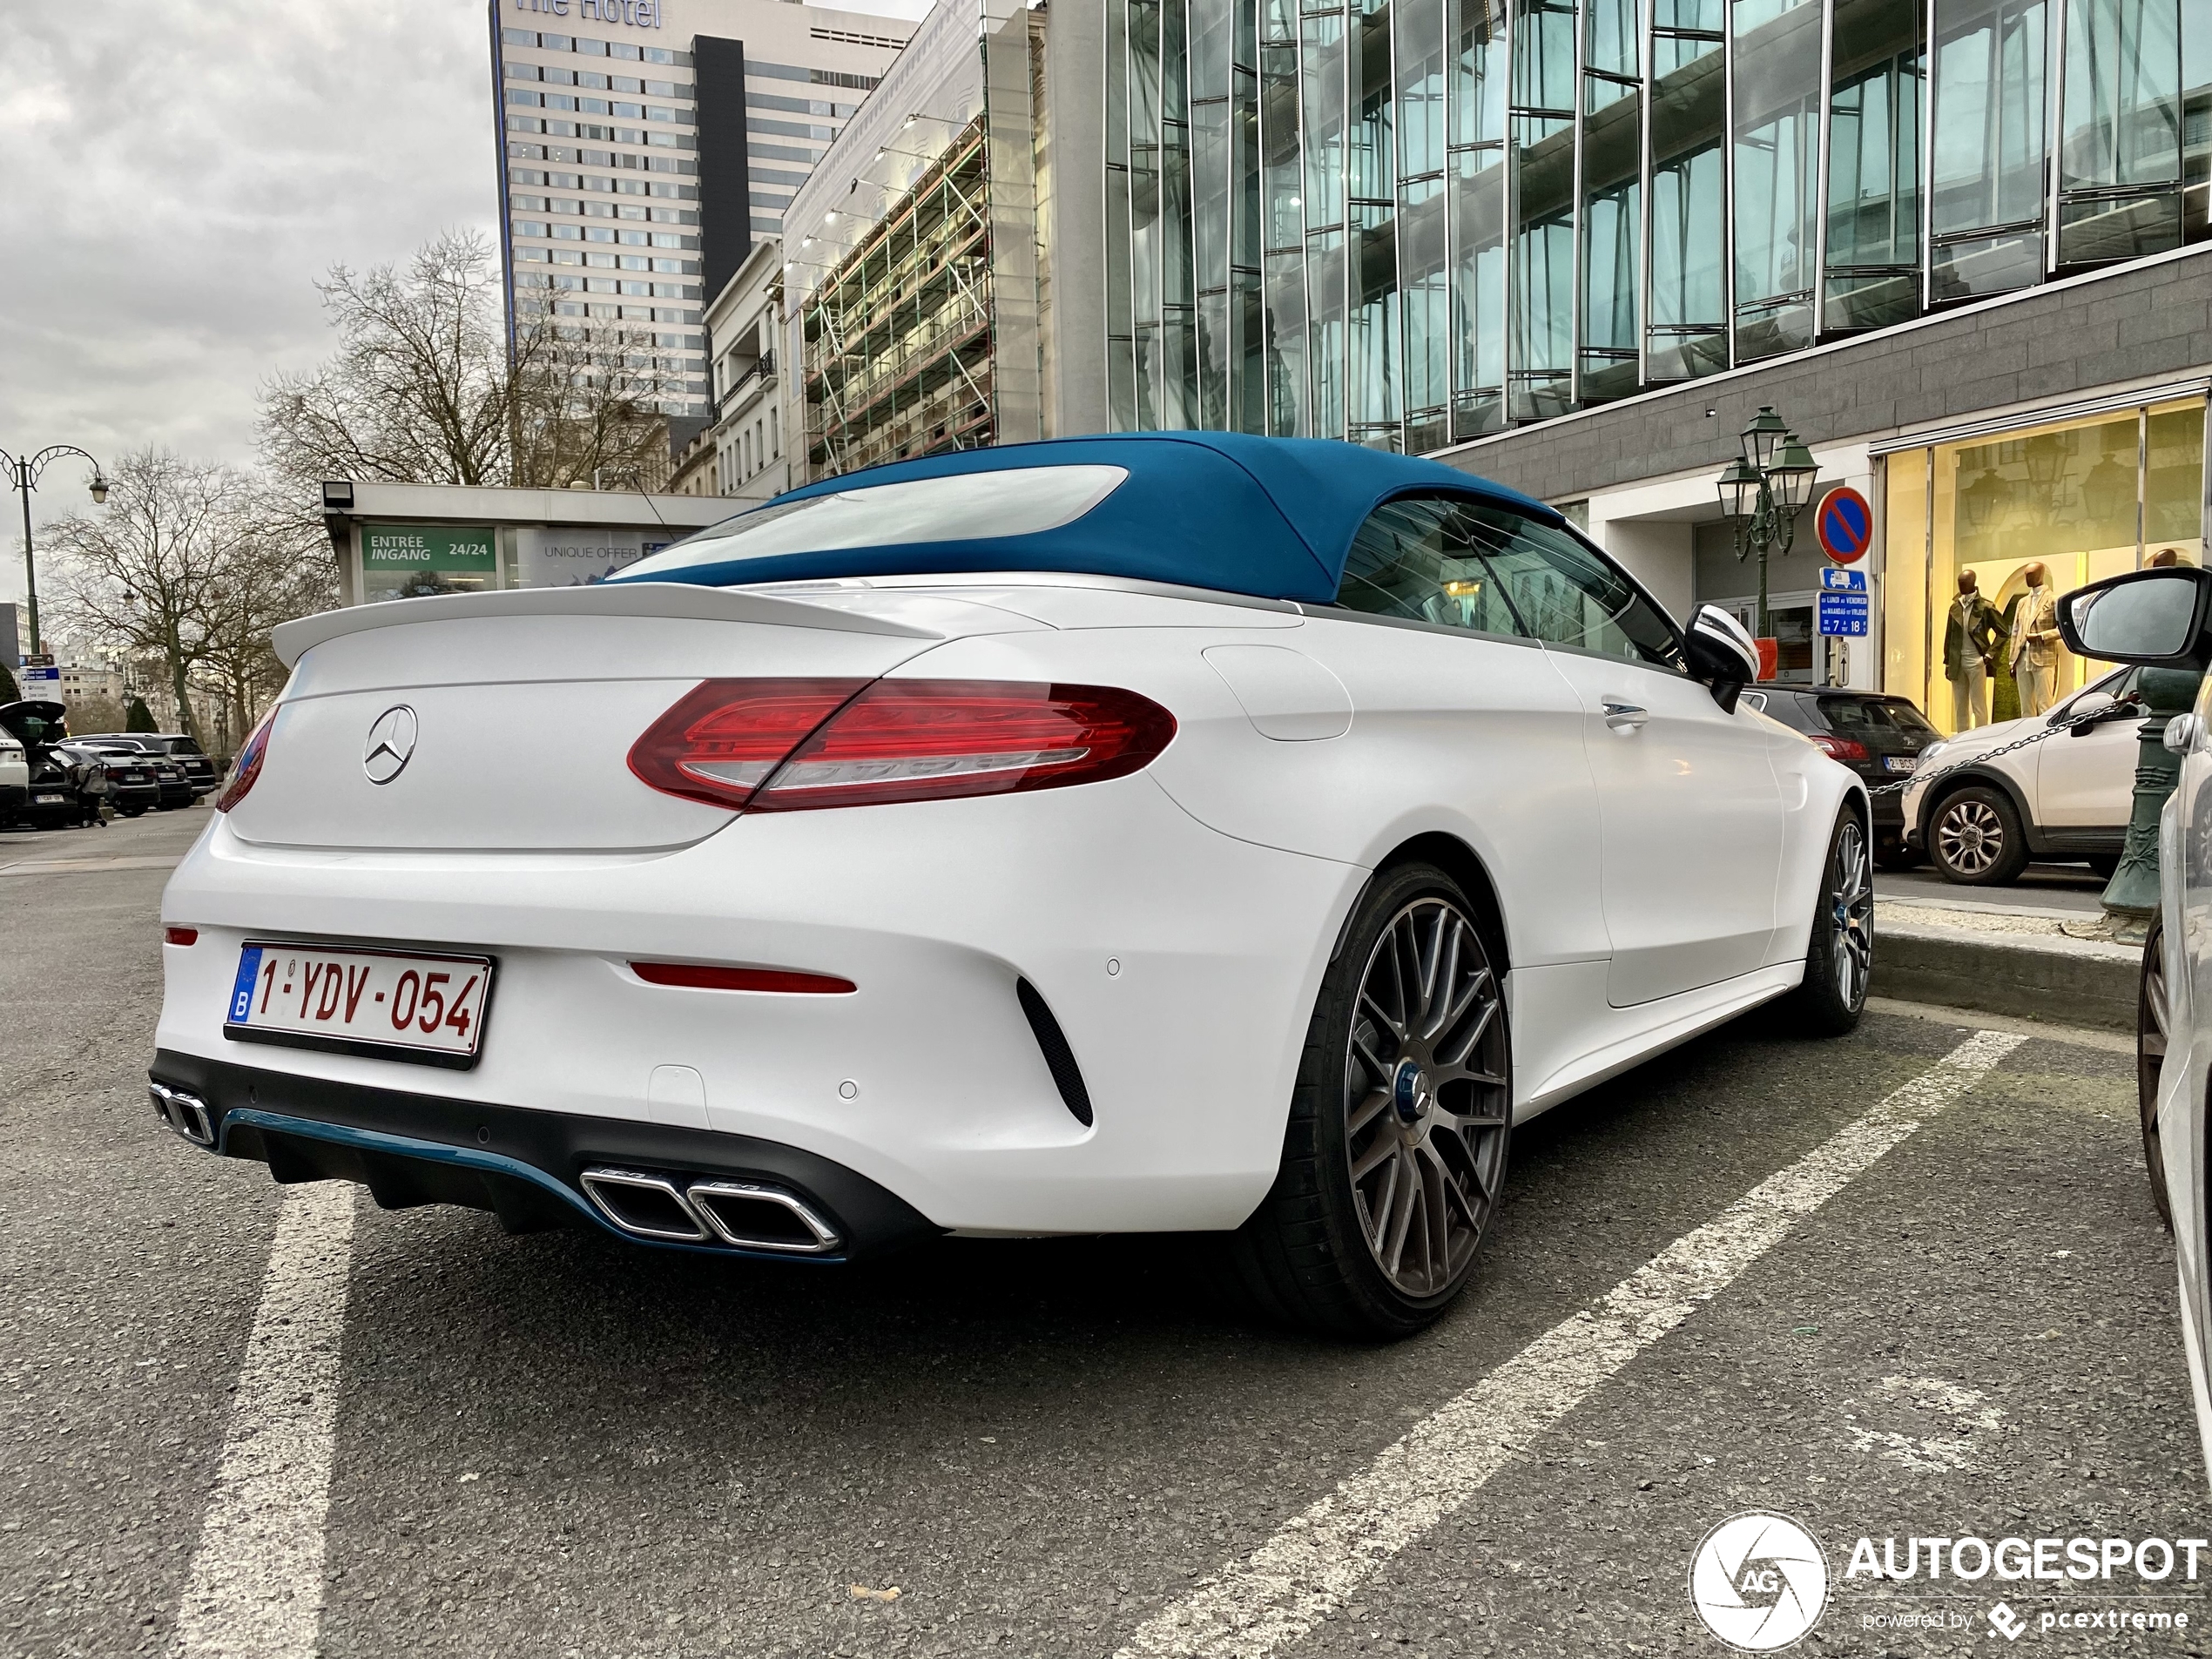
[(2067, 798)]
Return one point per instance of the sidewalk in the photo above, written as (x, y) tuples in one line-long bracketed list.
[(2005, 950)]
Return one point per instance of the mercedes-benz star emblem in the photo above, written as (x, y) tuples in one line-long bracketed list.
[(391, 744)]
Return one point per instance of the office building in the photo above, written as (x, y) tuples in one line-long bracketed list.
[(1572, 245), (739, 452), (644, 144)]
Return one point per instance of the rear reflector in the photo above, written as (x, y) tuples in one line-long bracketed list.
[(789, 745), (695, 977), (180, 935)]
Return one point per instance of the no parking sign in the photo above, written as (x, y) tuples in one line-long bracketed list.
[(1844, 523)]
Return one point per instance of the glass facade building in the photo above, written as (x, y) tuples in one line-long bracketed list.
[(1409, 223)]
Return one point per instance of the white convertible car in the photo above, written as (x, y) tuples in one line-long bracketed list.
[(1168, 832)]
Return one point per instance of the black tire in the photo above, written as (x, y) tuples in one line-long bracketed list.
[(2151, 1008), (1415, 1092), (1839, 957), (1976, 838)]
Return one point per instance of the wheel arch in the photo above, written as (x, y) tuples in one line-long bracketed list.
[(1460, 861)]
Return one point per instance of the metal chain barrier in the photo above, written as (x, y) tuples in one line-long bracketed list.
[(2131, 705)]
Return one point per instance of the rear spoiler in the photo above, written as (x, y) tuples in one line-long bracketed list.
[(295, 639)]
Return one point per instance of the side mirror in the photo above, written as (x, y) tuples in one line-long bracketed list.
[(2088, 709), (1722, 653), (2154, 619)]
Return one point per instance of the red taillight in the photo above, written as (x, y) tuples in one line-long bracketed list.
[(789, 745), (722, 740), (1839, 748), (698, 978), (248, 766), (180, 935)]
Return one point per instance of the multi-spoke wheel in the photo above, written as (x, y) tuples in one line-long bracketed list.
[(1424, 1107), (1976, 837), (1839, 958), (1395, 1150), (2150, 1061)]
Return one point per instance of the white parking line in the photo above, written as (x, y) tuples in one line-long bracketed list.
[(1315, 1561), (255, 1590)]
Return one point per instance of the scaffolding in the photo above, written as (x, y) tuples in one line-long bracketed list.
[(898, 335)]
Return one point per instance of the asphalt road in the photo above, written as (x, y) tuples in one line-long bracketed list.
[(555, 1445), (2045, 886)]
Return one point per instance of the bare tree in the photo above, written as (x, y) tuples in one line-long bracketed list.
[(274, 570), (140, 575), (427, 387)]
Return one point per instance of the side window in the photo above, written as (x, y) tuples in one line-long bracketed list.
[(1418, 559), (1568, 595)]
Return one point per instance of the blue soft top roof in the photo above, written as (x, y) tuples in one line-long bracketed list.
[(1271, 518)]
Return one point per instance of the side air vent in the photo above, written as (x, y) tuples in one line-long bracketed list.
[(1052, 1042)]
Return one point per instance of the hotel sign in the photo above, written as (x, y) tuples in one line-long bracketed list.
[(638, 13)]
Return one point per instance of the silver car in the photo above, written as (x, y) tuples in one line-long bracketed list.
[(2163, 619)]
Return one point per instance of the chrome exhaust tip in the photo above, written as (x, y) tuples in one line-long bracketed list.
[(648, 1206), (186, 1114), (751, 1216)]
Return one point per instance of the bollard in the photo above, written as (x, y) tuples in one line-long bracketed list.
[(2132, 894)]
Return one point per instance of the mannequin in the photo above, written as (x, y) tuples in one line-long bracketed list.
[(2035, 643), (1970, 632)]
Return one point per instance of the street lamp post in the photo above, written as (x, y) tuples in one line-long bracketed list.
[(23, 474), (1762, 492)]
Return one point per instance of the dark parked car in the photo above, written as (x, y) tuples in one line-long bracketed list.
[(67, 783), (134, 788), (1878, 736), (198, 770)]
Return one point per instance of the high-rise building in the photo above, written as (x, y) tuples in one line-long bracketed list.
[(644, 144)]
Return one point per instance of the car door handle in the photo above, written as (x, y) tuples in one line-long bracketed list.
[(1625, 717)]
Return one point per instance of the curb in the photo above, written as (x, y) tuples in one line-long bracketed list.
[(2080, 981)]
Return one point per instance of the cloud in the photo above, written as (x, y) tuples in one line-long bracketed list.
[(179, 176)]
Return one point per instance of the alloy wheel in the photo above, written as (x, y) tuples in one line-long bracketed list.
[(2151, 1022), (1426, 1099), (1851, 907), (1970, 837)]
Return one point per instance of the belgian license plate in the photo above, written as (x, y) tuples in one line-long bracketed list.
[(1900, 763), (398, 1005), (50, 800)]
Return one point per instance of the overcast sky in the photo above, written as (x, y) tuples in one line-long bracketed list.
[(178, 175)]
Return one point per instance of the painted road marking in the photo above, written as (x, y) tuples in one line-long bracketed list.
[(1316, 1560), (255, 1590), (71, 867)]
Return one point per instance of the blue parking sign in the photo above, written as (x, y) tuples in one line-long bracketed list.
[(1843, 615)]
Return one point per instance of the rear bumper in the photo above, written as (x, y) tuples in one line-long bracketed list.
[(1178, 964), (526, 1167)]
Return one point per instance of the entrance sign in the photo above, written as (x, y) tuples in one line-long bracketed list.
[(1844, 523), (406, 561)]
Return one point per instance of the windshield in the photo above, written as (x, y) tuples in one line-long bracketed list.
[(966, 506)]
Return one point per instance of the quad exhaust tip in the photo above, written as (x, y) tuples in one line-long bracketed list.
[(185, 1113), (746, 1215)]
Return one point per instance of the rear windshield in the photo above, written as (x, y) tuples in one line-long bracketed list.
[(184, 746), (1852, 714)]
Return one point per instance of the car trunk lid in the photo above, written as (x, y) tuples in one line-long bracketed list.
[(520, 709)]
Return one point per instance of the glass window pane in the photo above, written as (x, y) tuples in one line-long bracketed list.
[(1324, 300), (1612, 222), (1990, 143), (1322, 87), (1478, 71), (1874, 164), (1543, 55), (2173, 483), (1289, 397), (1211, 39), (1247, 360), (1372, 411), (1543, 286), (1905, 577), (1565, 594), (1777, 166), (1418, 39), (1417, 559), (1689, 223), (1426, 312), (1283, 180), (1477, 278), (2123, 119)]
